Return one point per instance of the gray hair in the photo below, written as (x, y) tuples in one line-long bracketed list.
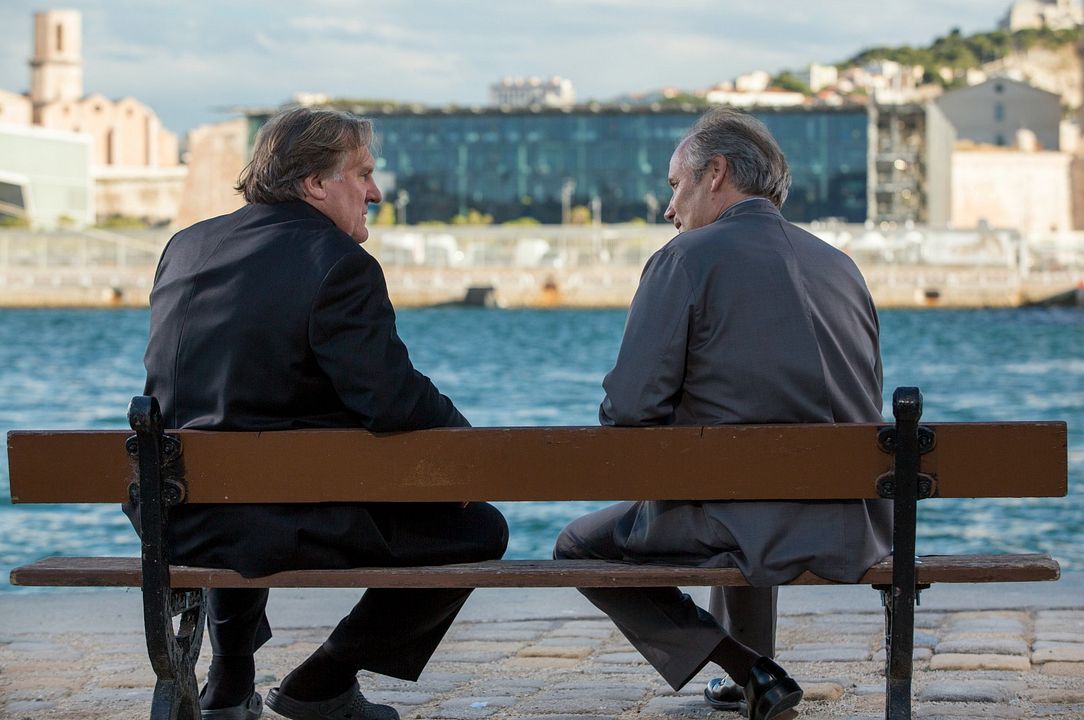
[(298, 143), (757, 165)]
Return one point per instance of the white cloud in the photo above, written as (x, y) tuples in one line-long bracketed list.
[(184, 58)]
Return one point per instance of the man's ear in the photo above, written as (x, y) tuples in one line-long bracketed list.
[(719, 167), (313, 185)]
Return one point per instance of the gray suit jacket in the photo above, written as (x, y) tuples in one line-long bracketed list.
[(752, 320)]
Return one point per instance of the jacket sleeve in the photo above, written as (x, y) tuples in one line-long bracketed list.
[(645, 384), (352, 333)]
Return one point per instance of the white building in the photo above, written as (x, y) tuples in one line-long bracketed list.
[(45, 176), (1054, 14), (772, 97), (525, 92), (817, 77)]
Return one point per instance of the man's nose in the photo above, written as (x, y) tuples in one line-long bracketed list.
[(375, 196), (669, 214)]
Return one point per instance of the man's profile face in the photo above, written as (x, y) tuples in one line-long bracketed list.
[(349, 193), (690, 205)]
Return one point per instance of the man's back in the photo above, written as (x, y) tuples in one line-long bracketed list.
[(773, 325), (271, 318)]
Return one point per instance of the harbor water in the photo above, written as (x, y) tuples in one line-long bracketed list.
[(79, 368)]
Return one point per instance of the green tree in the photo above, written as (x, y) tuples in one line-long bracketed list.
[(787, 80), (473, 217)]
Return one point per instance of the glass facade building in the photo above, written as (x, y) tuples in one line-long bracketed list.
[(540, 162)]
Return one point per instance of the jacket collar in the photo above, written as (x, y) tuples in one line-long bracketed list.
[(750, 205)]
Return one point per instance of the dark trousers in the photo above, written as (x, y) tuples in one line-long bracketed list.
[(672, 633), (390, 631)]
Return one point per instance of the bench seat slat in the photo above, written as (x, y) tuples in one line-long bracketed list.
[(125, 572), (725, 462)]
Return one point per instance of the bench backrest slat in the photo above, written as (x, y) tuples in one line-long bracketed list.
[(739, 462)]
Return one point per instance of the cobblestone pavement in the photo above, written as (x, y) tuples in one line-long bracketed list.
[(968, 664)]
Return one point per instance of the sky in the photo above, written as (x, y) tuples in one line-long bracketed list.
[(193, 61)]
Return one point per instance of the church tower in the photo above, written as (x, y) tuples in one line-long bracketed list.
[(56, 70)]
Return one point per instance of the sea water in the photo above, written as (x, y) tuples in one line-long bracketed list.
[(79, 369)]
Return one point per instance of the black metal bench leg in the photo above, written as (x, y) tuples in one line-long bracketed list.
[(176, 694), (899, 599), (173, 653)]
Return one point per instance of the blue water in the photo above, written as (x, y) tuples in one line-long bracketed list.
[(78, 369)]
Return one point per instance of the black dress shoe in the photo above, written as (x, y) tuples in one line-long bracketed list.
[(770, 691), (724, 694), (350, 705), (248, 710)]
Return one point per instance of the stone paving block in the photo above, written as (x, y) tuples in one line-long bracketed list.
[(565, 641), (42, 650), (963, 661), (432, 681), (539, 664), (511, 686), (1064, 696), (555, 651), (877, 689), (927, 619), (144, 679), (471, 708), (399, 698), (998, 646), (622, 658), (678, 706), (34, 693), (831, 654), (1058, 654), (602, 669), (961, 690), (922, 639), (111, 696), (495, 633), (582, 703), (1004, 625), (18, 707), (474, 658), (600, 689), (828, 692), (1039, 644), (918, 653), (565, 717), (849, 643), (582, 631), (1063, 669), (967, 711)]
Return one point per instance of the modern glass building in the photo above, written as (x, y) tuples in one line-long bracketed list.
[(538, 163)]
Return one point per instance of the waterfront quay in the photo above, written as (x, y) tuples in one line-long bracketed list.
[(588, 266), (995, 651)]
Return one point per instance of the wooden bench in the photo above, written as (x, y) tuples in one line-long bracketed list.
[(906, 462)]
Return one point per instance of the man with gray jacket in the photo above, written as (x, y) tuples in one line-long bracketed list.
[(741, 318)]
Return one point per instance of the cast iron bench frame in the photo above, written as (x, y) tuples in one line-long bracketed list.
[(439, 470)]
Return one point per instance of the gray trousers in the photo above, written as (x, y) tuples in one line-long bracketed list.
[(672, 633)]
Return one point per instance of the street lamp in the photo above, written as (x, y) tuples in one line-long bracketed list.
[(567, 188), (402, 199)]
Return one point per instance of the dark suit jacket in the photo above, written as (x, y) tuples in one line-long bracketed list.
[(271, 318), (753, 320)]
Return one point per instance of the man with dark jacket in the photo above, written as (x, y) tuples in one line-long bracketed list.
[(274, 318), (741, 318)]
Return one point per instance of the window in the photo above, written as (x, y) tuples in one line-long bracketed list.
[(999, 111), (60, 38)]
